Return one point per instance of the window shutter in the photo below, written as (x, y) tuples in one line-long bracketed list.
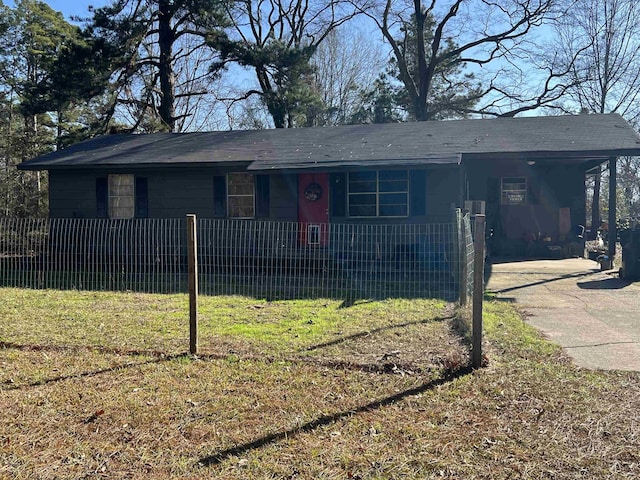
[(418, 192), (262, 196), (142, 198), (102, 197), (338, 194), (219, 196)]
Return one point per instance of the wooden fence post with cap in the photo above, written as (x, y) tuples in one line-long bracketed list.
[(192, 272)]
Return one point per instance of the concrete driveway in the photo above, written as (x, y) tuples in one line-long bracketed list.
[(593, 315)]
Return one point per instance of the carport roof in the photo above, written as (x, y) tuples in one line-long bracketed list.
[(579, 137)]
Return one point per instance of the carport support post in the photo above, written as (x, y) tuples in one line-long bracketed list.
[(478, 291), (192, 271), (613, 231)]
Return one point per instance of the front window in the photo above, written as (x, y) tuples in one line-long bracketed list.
[(514, 191), (241, 195), (121, 196), (381, 193)]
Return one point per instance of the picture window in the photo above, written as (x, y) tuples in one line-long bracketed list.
[(381, 193)]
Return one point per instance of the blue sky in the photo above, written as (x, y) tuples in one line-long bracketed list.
[(70, 7)]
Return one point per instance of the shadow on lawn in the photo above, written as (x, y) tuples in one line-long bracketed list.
[(219, 457), (157, 358)]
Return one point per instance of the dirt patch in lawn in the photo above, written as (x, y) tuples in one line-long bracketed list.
[(412, 347)]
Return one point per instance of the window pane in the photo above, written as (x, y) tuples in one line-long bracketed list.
[(237, 178), (393, 199), (362, 176), (393, 210), (122, 202), (358, 187), (120, 180), (362, 182), (394, 186), (241, 189), (366, 199), (362, 211), (241, 212), (241, 201), (393, 175)]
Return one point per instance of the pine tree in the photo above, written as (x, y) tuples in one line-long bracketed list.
[(149, 43)]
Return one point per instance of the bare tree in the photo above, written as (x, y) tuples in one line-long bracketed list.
[(493, 38), (606, 71), (629, 182), (345, 64), (600, 43)]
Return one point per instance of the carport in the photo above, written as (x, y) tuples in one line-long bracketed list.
[(593, 315)]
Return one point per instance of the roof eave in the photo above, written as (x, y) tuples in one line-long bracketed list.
[(131, 166), (576, 155)]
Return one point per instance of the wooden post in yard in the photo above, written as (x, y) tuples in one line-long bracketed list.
[(478, 290), (612, 233), (192, 271)]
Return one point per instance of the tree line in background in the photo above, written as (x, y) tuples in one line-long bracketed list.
[(190, 65)]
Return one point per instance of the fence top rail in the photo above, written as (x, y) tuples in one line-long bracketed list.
[(8, 220)]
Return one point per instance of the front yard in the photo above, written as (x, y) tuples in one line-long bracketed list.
[(96, 385)]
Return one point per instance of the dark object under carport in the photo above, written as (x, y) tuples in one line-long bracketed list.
[(630, 240)]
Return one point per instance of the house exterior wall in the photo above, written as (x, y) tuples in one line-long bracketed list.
[(283, 197), (178, 193), (174, 193), (72, 194), (442, 191), (171, 193)]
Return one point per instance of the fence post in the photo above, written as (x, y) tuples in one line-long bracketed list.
[(478, 290), (192, 270)]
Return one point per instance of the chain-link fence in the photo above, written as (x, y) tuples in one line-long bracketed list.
[(263, 259)]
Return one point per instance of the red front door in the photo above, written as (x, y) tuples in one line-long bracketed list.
[(313, 208)]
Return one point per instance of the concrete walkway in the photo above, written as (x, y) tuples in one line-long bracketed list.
[(593, 315)]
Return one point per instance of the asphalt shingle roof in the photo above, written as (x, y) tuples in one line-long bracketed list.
[(579, 136)]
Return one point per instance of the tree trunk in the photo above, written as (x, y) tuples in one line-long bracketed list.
[(275, 105), (420, 102), (166, 39)]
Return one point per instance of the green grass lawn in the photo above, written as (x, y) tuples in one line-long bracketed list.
[(96, 384)]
